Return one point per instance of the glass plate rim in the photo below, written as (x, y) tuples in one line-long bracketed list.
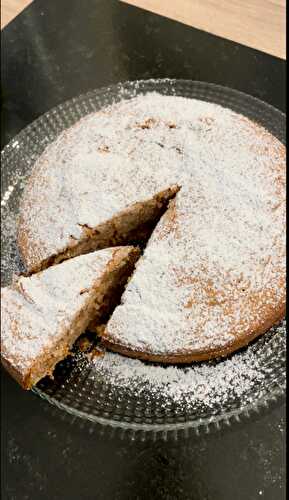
[(129, 83)]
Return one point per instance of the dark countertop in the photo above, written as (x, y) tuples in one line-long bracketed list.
[(52, 52)]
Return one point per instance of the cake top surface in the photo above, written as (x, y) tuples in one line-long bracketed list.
[(37, 310), (134, 149)]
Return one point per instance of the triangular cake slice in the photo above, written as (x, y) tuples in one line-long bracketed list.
[(44, 314)]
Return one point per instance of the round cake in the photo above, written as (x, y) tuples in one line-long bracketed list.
[(212, 276)]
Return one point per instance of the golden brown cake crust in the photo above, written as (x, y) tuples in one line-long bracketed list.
[(188, 357)]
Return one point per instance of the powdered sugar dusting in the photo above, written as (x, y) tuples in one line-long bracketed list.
[(215, 265), (132, 150), (208, 385)]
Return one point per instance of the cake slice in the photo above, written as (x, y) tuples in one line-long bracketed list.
[(43, 315)]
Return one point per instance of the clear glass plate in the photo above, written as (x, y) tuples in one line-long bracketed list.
[(129, 394)]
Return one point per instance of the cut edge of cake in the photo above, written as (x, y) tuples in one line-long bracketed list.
[(131, 224)]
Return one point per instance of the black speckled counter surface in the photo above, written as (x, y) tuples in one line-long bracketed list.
[(53, 51)]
